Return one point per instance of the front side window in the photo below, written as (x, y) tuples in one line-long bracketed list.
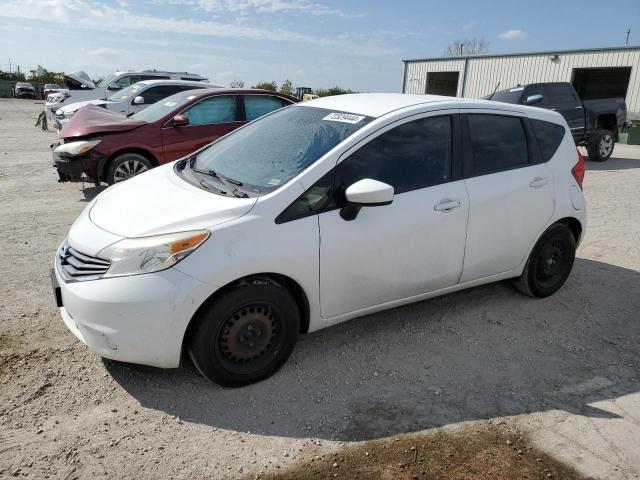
[(123, 81), (270, 151), (560, 93), (537, 90), (414, 155), (549, 136), (220, 109), (256, 106), (498, 142)]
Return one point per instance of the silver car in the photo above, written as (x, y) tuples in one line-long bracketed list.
[(132, 99)]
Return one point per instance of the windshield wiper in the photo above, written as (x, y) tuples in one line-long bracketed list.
[(213, 173)]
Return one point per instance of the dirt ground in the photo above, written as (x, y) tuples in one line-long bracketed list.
[(484, 383)]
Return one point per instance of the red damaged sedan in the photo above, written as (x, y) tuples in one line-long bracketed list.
[(102, 146)]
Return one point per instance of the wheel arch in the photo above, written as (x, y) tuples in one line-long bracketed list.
[(574, 225), (293, 287), (104, 165)]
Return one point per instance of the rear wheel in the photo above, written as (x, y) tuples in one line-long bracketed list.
[(550, 262), (245, 335), (126, 166), (601, 146)]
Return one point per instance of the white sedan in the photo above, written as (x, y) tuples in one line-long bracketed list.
[(315, 214)]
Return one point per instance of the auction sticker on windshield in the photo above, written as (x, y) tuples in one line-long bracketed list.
[(343, 117)]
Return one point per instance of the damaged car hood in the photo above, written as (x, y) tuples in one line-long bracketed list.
[(79, 79), (94, 119)]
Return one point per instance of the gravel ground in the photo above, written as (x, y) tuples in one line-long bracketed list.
[(562, 371)]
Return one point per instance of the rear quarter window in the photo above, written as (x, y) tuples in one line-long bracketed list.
[(549, 136)]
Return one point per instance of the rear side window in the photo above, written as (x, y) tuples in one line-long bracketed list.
[(559, 93), (219, 109), (414, 155), (549, 136), (498, 142), (256, 106)]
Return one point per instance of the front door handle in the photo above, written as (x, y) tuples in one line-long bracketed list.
[(539, 182), (447, 205)]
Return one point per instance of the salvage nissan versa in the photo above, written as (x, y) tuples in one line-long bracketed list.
[(314, 214)]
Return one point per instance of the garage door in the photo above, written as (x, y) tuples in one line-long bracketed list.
[(597, 83)]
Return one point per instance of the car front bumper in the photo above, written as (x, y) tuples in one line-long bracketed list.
[(82, 168), (137, 319)]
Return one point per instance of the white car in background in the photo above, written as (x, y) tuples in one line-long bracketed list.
[(132, 99), (315, 214), (81, 88)]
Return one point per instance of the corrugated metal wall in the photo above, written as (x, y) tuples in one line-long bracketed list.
[(483, 73)]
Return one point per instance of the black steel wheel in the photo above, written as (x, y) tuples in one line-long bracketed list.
[(245, 335), (550, 262)]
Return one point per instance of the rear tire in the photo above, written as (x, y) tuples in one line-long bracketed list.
[(601, 146), (549, 264), (126, 166), (246, 335)]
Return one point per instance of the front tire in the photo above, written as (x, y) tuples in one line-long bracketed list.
[(550, 262), (246, 335), (126, 166), (601, 146)]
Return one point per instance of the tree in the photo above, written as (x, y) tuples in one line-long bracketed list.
[(286, 87), (273, 86), (236, 83), (467, 46), (327, 92)]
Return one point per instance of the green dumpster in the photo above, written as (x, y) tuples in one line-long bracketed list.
[(633, 132)]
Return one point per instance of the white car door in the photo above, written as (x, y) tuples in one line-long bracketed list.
[(511, 197), (412, 246)]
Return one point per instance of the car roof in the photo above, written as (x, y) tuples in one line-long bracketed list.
[(379, 104), (180, 82), (203, 92)]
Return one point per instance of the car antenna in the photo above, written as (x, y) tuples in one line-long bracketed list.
[(494, 90)]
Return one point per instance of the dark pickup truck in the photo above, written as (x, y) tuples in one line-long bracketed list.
[(593, 123)]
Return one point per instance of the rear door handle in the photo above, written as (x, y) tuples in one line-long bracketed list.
[(538, 182), (447, 205)]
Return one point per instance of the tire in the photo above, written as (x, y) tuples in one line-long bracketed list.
[(246, 335), (126, 166), (601, 146), (550, 262)]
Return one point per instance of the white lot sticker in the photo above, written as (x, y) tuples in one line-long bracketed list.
[(191, 97), (274, 181), (517, 89), (170, 104), (343, 117)]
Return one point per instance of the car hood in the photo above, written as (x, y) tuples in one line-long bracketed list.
[(80, 77), (92, 119), (159, 201), (77, 105)]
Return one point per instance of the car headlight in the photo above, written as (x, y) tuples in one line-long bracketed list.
[(75, 148), (68, 114), (134, 256)]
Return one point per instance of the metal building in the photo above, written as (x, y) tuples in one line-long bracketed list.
[(595, 73)]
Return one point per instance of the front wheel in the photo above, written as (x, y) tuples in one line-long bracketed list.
[(601, 146), (550, 262), (245, 335), (126, 166)]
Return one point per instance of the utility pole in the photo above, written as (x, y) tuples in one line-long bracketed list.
[(626, 43), (9, 65)]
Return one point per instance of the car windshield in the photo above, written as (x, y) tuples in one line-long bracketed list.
[(508, 96), (270, 151), (125, 94), (156, 111), (106, 81)]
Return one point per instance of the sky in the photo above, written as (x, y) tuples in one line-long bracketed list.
[(315, 43)]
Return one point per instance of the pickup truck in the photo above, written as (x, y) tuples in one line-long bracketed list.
[(593, 123)]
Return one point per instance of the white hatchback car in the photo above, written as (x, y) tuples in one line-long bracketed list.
[(314, 214)]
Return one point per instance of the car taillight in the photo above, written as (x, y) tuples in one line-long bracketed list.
[(578, 169)]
